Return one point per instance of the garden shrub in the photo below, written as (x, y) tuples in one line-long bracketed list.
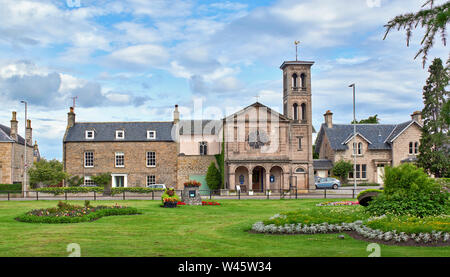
[(170, 195), (14, 188), (68, 213), (409, 191), (61, 190)]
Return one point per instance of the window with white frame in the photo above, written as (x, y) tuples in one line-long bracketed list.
[(120, 159), (357, 148), (411, 149), (203, 148), (89, 134), (151, 159), (120, 134), (88, 181), (361, 172), (151, 134), (151, 180), (416, 147), (89, 159)]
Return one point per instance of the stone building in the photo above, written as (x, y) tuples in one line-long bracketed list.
[(263, 149), (12, 151), (377, 145)]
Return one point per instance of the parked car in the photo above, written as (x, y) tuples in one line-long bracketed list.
[(157, 186), (327, 183)]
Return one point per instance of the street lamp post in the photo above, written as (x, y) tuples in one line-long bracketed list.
[(354, 135), (24, 185)]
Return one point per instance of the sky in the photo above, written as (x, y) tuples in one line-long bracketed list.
[(133, 60)]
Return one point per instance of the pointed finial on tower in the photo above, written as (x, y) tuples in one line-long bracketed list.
[(296, 44)]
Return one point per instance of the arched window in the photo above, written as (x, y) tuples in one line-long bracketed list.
[(294, 80), (303, 80), (299, 170), (360, 148), (303, 106), (416, 147), (203, 148), (295, 107), (411, 148)]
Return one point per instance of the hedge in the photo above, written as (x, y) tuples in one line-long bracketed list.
[(61, 190), (5, 188), (89, 217)]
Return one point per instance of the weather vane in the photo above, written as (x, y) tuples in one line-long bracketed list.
[(296, 44)]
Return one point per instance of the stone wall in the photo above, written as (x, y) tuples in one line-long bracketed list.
[(5, 163), (135, 160), (192, 165), (401, 144)]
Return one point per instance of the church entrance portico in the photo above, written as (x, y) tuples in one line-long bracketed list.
[(259, 180)]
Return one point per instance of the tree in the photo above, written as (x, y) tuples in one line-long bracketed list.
[(315, 155), (433, 19), (75, 181), (341, 169), (371, 120), (213, 177), (103, 180), (47, 173), (433, 149)]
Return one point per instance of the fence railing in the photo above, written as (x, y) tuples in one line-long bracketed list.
[(206, 194)]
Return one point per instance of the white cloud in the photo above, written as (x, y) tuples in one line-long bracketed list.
[(140, 56)]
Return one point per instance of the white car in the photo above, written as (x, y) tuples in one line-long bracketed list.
[(157, 186)]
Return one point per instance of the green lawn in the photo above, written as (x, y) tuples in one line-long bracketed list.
[(217, 231)]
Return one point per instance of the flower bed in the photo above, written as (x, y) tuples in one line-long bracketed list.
[(339, 203), (67, 213), (207, 203), (390, 229), (360, 229), (192, 184)]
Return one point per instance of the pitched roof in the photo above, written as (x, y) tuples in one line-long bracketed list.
[(5, 135), (257, 104), (199, 127), (106, 131), (322, 164)]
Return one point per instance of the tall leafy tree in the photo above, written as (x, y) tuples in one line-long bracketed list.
[(47, 173), (213, 177), (434, 19), (434, 143), (371, 119)]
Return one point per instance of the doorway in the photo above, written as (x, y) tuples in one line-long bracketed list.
[(258, 178)]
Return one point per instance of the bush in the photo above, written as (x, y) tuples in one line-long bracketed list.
[(62, 190), (14, 188), (213, 177), (170, 195), (75, 181), (341, 169), (409, 191)]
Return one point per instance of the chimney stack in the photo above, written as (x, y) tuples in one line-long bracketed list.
[(176, 115), (28, 133), (13, 134), (329, 119), (417, 116), (70, 118)]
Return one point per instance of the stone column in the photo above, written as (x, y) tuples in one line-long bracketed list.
[(267, 183), (232, 181), (286, 180), (250, 180)]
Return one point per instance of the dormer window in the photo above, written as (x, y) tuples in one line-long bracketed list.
[(120, 134), (151, 134), (90, 134)]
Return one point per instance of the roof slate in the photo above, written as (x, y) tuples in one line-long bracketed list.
[(200, 127), (322, 164), (106, 131), (5, 137)]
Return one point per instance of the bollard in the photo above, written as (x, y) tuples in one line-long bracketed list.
[(353, 194), (65, 196), (123, 195), (325, 192), (37, 195), (239, 194), (153, 195), (8, 195), (296, 193), (95, 195)]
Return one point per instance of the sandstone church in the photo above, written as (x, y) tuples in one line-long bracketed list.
[(263, 149)]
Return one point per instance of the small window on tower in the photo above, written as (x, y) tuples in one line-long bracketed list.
[(294, 80)]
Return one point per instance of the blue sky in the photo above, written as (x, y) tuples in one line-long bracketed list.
[(133, 60)]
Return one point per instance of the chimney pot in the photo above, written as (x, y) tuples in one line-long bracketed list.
[(417, 116), (328, 118), (70, 118), (176, 115)]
